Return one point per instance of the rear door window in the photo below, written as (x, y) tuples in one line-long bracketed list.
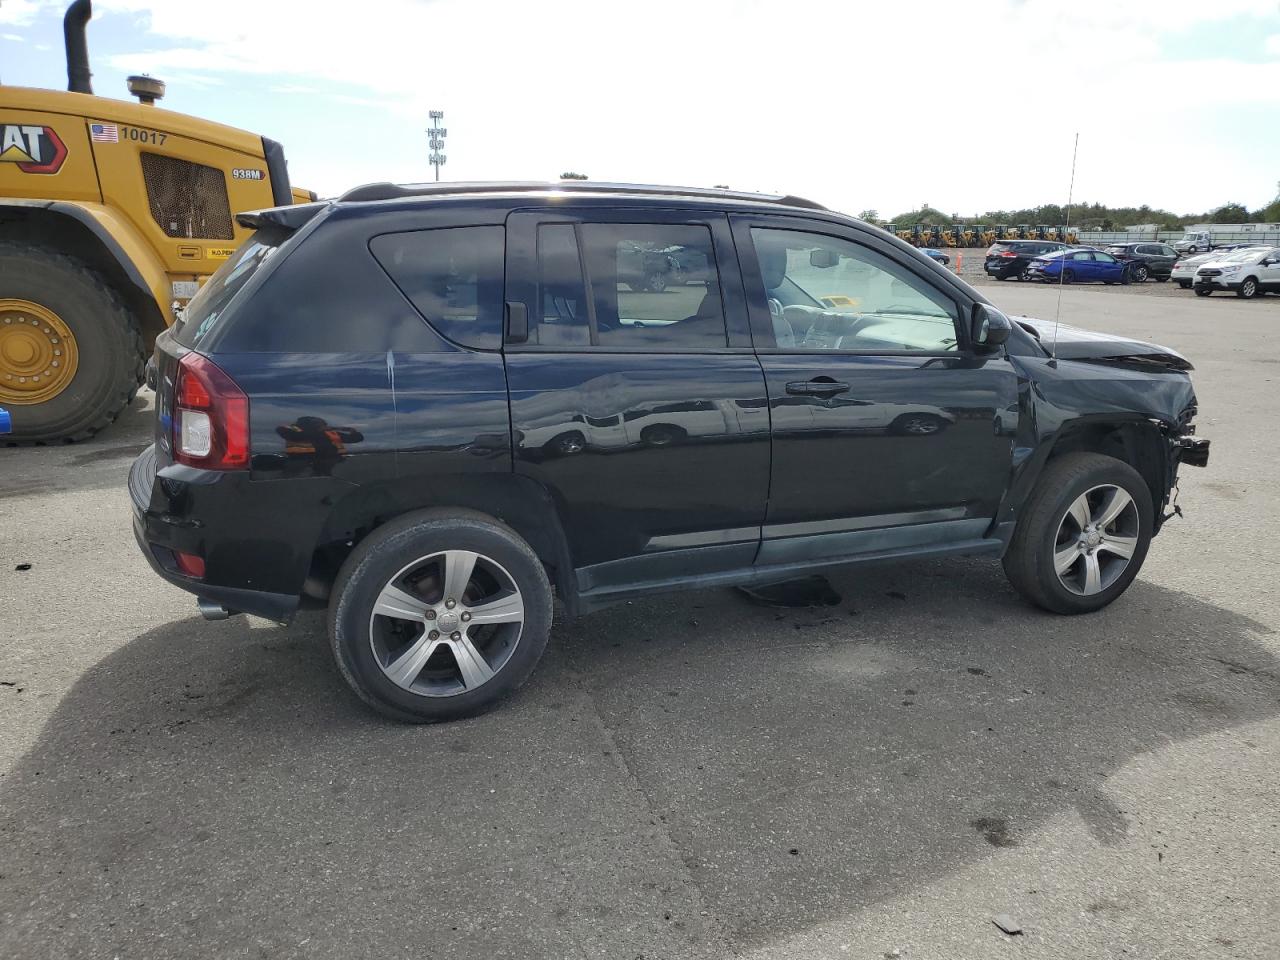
[(453, 276), (627, 286)]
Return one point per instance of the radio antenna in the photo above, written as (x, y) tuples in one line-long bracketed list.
[(1057, 313)]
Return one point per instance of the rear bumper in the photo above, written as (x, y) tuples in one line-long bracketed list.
[(1004, 268), (160, 533)]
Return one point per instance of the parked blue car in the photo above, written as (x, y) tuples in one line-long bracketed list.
[(936, 254), (1079, 266)]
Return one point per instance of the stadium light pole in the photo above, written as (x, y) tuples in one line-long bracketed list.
[(435, 141)]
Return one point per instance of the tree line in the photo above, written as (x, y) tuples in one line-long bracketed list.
[(1089, 216)]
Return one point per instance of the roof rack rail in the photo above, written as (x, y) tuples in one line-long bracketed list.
[(396, 191)]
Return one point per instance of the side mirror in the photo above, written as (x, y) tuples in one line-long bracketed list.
[(989, 328), (823, 259)]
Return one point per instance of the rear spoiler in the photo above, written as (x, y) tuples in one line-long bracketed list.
[(288, 218)]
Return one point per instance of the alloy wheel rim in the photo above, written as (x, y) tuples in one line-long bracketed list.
[(446, 623), (1096, 539), (1249, 288), (38, 355)]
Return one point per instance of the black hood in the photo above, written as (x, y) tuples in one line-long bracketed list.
[(1073, 343)]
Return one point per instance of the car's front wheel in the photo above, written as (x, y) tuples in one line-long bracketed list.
[(439, 615), (1140, 273), (1083, 534), (1203, 291), (1248, 289)]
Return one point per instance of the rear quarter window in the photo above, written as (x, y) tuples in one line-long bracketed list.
[(201, 315), (453, 276)]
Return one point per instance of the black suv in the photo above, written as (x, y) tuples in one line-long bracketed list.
[(1009, 259), (435, 409), (1149, 259)]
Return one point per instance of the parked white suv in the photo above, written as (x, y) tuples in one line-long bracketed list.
[(1184, 270), (1248, 272)]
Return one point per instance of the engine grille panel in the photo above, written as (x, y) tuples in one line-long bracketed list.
[(188, 200)]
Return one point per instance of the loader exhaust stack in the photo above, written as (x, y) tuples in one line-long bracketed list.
[(79, 76)]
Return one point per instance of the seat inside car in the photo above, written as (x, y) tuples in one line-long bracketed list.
[(773, 270)]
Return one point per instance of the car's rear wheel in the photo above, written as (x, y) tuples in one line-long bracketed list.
[(1184, 284), (439, 615), (1083, 534), (1248, 289), (1140, 273)]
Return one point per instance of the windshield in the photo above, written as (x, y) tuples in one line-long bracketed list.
[(1244, 256), (202, 312)]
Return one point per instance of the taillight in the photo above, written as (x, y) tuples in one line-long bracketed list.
[(211, 417), (1008, 253)]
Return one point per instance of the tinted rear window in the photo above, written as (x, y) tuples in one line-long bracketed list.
[(454, 278), (202, 313)]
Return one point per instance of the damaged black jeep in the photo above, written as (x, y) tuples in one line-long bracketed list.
[(437, 408)]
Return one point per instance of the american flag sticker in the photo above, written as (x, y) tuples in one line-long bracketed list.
[(104, 133)]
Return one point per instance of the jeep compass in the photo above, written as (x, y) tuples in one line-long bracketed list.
[(437, 409)]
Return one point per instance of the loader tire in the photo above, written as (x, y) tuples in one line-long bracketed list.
[(71, 354)]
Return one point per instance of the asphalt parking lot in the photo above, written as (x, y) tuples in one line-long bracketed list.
[(684, 777)]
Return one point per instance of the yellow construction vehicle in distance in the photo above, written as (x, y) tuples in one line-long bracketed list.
[(111, 212)]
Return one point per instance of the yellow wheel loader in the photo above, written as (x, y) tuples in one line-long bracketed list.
[(111, 214)]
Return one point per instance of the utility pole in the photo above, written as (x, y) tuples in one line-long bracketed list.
[(436, 135)]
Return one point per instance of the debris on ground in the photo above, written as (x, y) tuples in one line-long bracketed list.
[(1007, 924), (814, 591)]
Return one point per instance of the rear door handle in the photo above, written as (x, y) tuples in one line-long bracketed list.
[(817, 388)]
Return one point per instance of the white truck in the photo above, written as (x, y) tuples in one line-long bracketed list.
[(1208, 236)]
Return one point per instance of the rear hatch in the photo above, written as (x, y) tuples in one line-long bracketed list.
[(1006, 250)]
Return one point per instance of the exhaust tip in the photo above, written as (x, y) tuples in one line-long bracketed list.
[(212, 611)]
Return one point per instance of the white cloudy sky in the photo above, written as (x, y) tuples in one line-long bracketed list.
[(965, 105)]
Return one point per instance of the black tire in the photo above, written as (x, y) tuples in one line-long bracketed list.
[(662, 434), (1162, 279), (1140, 273), (389, 549), (566, 444), (108, 342), (918, 425), (1248, 289), (1203, 291), (1184, 284), (1068, 276), (656, 282), (1028, 563)]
